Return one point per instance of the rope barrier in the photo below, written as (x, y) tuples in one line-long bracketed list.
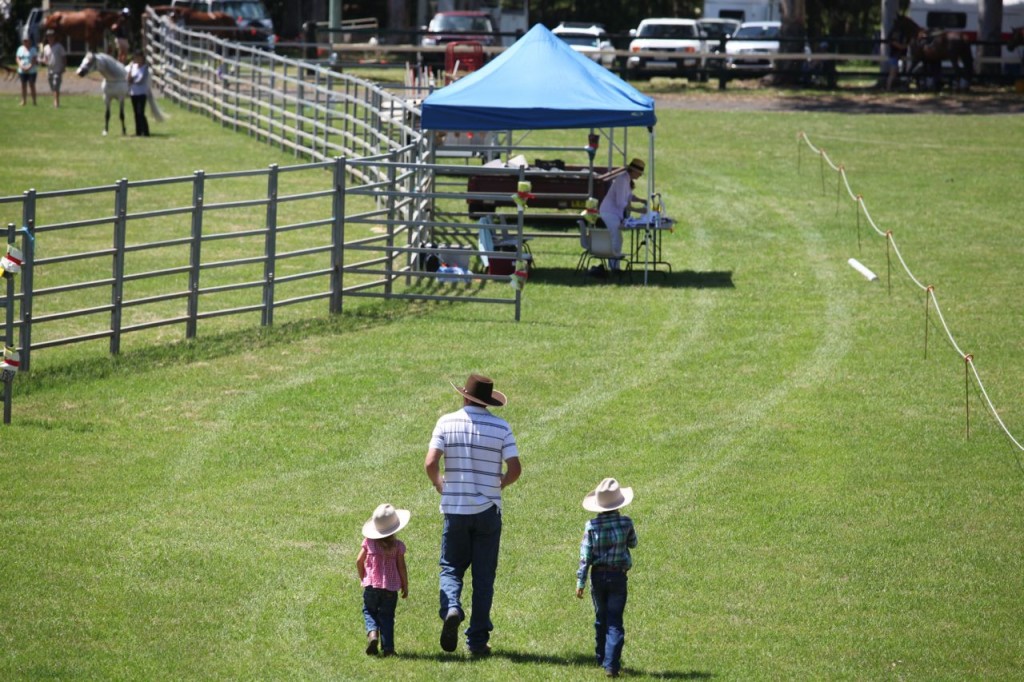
[(929, 290)]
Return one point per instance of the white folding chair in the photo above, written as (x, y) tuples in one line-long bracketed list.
[(600, 249)]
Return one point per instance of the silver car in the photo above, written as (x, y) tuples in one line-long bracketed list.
[(590, 40), (751, 47)]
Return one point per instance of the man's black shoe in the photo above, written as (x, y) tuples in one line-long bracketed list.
[(450, 630)]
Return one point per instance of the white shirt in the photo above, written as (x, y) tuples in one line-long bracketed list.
[(475, 444), (55, 57), (616, 201), (138, 79)]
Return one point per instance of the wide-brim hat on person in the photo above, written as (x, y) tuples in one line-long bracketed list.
[(607, 496), (481, 391), (637, 165), (386, 520)]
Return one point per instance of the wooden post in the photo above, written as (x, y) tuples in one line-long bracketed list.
[(927, 303), (967, 391), (888, 259)]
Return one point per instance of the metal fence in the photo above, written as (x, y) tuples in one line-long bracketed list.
[(309, 109), (361, 219), (113, 270)]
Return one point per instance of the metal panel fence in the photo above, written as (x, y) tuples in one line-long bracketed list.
[(241, 244), (309, 109), (360, 220)]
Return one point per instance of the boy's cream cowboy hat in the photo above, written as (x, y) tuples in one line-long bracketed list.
[(386, 520), (607, 496)]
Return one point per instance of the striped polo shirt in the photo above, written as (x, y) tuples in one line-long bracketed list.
[(475, 443)]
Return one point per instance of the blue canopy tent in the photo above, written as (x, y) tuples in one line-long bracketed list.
[(540, 82)]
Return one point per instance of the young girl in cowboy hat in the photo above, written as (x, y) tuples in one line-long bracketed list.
[(607, 539), (381, 568)]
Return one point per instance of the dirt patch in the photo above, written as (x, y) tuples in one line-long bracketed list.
[(71, 84), (866, 102)]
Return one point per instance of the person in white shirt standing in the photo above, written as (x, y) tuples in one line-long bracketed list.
[(618, 202), (138, 89), (55, 57), (480, 458)]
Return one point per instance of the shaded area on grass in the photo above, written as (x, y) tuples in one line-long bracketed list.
[(573, 660), (682, 279), (215, 345)]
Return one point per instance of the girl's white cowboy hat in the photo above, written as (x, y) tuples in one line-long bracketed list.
[(607, 496), (386, 520)]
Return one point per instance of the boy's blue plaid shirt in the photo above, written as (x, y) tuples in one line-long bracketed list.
[(606, 541)]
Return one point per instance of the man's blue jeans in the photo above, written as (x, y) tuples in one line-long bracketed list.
[(379, 614), (471, 540), (608, 590)]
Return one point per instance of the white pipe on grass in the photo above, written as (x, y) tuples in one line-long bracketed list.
[(859, 267)]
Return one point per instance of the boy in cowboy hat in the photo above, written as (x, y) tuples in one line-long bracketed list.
[(381, 569), (607, 539), (475, 447)]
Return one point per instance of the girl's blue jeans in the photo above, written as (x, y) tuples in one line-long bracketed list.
[(608, 590), (379, 614)]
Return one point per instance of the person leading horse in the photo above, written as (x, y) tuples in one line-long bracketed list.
[(927, 51)]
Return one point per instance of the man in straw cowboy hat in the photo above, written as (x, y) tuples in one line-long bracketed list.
[(617, 204), (607, 539), (480, 458)]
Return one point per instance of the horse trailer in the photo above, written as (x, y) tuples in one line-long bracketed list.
[(962, 16), (742, 10)]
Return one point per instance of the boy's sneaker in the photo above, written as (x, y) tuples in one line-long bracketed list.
[(480, 651), (450, 630)]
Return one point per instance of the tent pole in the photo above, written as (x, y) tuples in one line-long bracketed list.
[(650, 198), (591, 155)]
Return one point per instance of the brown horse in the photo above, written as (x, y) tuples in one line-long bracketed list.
[(218, 24), (927, 51), (87, 25)]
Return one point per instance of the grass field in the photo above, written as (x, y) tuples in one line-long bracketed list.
[(807, 502)]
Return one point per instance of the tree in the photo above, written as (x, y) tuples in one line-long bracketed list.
[(990, 22), (792, 39)]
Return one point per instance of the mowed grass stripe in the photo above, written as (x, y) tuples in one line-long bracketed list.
[(807, 503)]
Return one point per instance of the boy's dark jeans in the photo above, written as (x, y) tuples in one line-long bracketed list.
[(608, 590)]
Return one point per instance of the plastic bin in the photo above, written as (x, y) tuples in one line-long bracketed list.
[(500, 266)]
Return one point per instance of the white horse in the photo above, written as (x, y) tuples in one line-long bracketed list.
[(115, 85)]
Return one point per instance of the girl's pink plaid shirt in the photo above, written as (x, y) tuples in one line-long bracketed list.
[(382, 565)]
